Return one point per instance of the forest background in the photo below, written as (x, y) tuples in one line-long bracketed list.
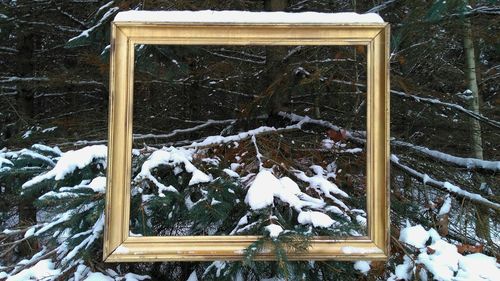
[(445, 74)]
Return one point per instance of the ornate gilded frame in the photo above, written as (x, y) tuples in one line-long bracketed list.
[(120, 247)]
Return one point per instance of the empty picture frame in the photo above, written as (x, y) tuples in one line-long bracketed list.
[(243, 28)]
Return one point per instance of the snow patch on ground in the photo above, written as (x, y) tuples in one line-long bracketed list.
[(443, 260)]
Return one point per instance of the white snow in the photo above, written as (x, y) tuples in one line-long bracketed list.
[(327, 143), (266, 187), (40, 147), (353, 150), (320, 183), (323, 186), (42, 270), (209, 16), (260, 194), (30, 232), (403, 271), (98, 184), (135, 277), (172, 157), (231, 173), (192, 276), (69, 162), (274, 230), (362, 266), (60, 218), (5, 161), (477, 267), (445, 209), (444, 262), (290, 185), (317, 219), (416, 236), (35, 155), (361, 220)]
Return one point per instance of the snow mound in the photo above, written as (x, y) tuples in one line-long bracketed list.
[(443, 260)]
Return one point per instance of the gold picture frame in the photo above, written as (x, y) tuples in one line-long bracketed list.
[(120, 247)]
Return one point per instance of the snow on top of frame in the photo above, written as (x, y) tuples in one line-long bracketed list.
[(209, 16)]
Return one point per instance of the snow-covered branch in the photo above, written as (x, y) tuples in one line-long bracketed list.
[(469, 163), (215, 140), (445, 186), (187, 130), (16, 79)]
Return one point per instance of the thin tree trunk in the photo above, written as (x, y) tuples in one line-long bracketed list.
[(482, 217), (470, 72)]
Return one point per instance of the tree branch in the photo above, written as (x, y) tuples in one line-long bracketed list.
[(445, 186)]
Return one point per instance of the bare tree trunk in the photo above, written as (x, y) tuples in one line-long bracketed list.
[(482, 217), (470, 72)]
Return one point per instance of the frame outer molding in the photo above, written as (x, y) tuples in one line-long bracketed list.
[(119, 247)]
